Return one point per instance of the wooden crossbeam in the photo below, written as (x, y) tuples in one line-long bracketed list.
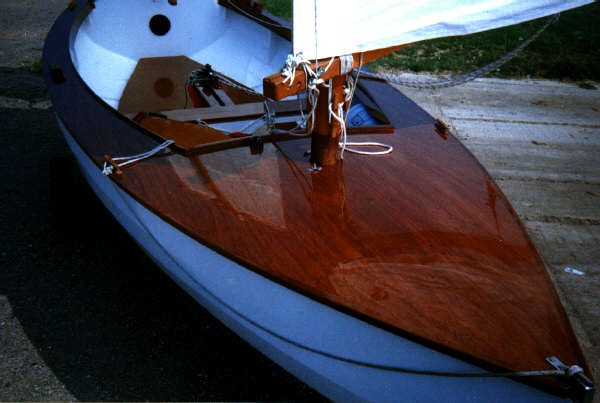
[(233, 112), (275, 88)]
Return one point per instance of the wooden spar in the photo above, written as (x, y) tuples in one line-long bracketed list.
[(234, 112), (275, 88)]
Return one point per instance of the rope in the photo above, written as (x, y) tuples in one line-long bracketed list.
[(316, 37), (463, 78), (350, 90), (108, 168), (340, 118), (313, 80)]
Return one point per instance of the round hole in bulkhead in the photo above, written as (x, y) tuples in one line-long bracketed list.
[(163, 87), (159, 25)]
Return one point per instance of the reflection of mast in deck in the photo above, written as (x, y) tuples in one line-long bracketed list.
[(246, 184)]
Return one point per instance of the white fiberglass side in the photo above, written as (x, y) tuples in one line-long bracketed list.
[(116, 34)]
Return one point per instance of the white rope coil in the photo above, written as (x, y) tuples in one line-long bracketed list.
[(341, 118), (388, 148)]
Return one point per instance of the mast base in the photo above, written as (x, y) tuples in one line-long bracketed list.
[(324, 150)]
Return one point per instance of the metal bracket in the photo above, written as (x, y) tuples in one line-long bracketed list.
[(346, 64), (315, 168), (583, 387)]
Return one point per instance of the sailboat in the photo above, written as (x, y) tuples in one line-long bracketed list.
[(375, 261)]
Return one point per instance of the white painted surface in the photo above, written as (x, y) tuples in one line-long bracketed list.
[(338, 27), (116, 35)]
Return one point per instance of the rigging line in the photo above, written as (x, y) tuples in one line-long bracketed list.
[(316, 41), (108, 167), (355, 82)]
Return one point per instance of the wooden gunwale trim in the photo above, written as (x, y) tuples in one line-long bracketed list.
[(61, 37)]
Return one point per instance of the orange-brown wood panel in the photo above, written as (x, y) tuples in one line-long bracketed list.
[(236, 112), (186, 135)]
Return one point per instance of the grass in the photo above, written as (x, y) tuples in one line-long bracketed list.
[(569, 49), (281, 8)]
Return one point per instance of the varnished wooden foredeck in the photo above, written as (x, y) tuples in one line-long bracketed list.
[(421, 242)]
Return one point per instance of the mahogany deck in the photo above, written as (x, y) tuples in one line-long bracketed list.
[(421, 242)]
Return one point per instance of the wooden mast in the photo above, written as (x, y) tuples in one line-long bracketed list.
[(326, 133)]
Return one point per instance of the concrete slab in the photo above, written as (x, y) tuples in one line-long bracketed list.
[(23, 28), (539, 102)]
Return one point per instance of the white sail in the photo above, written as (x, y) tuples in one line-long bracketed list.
[(328, 28)]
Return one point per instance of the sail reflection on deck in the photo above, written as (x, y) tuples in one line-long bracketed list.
[(248, 184)]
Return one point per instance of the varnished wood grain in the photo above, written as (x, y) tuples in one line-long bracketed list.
[(420, 242), (186, 135)]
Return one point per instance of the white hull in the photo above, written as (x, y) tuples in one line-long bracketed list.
[(303, 336)]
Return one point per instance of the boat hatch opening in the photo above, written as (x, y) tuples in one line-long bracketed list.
[(159, 25)]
